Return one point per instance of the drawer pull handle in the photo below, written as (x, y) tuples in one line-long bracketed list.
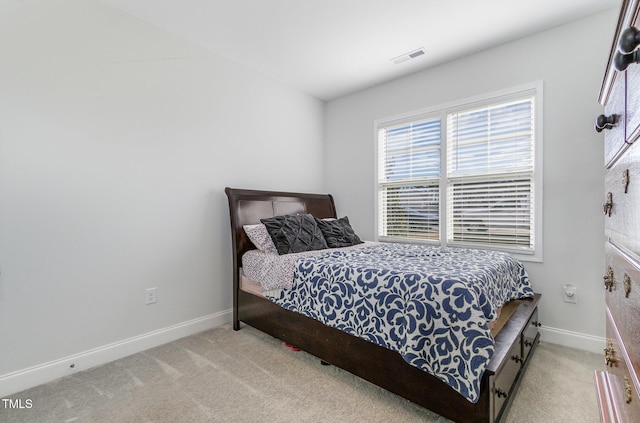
[(625, 180), (622, 61), (528, 343), (517, 359), (608, 205), (500, 393), (629, 40), (610, 354), (536, 323), (627, 285), (627, 390), (605, 122), (608, 279), (627, 53)]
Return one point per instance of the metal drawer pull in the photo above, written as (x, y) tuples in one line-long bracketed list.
[(500, 393), (627, 285), (627, 53), (625, 180), (610, 354), (608, 205), (621, 61), (627, 390), (528, 343), (629, 40), (605, 122), (517, 359), (608, 279)]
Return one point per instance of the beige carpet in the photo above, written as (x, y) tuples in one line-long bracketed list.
[(246, 376)]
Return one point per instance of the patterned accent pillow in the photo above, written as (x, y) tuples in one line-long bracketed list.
[(260, 237), (338, 232), (295, 233)]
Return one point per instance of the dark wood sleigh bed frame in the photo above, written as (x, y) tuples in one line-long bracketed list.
[(378, 365)]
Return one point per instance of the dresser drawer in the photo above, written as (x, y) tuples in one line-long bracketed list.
[(632, 77), (622, 191), (530, 335), (623, 299), (633, 103), (614, 137), (622, 384)]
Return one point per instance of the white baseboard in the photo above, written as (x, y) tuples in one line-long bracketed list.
[(571, 339), (33, 376)]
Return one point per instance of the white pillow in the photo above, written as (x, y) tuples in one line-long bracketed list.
[(260, 237)]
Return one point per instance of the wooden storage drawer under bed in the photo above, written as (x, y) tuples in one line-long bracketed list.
[(511, 357), (530, 335), (503, 382)]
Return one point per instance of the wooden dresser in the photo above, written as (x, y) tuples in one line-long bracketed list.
[(618, 386)]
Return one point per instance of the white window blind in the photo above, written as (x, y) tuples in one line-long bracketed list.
[(408, 177), (482, 195), (490, 164)]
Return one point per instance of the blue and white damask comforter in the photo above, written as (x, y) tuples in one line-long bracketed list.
[(433, 305)]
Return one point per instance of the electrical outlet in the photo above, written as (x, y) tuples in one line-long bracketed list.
[(570, 294), (152, 296)]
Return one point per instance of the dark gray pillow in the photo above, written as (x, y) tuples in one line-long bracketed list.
[(338, 232), (295, 233)]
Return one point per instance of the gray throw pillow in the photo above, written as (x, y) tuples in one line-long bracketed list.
[(295, 233), (338, 232)]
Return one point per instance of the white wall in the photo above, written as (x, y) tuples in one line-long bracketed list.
[(116, 142), (570, 60)]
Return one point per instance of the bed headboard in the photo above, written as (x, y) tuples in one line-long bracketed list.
[(247, 207)]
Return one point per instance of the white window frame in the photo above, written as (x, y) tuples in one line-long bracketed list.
[(536, 90)]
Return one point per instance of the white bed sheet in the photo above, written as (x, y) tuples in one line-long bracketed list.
[(273, 271)]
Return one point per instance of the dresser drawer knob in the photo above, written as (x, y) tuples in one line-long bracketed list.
[(610, 354), (517, 359), (627, 285), (622, 61), (605, 122), (629, 40), (608, 205), (608, 279), (536, 323), (500, 393), (627, 54), (528, 343)]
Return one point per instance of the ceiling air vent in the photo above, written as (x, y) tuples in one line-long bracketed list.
[(408, 56)]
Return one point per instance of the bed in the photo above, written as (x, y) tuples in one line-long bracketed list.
[(515, 333)]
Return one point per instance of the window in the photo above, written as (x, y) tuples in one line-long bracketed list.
[(468, 174)]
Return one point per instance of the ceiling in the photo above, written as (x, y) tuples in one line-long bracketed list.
[(329, 48)]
